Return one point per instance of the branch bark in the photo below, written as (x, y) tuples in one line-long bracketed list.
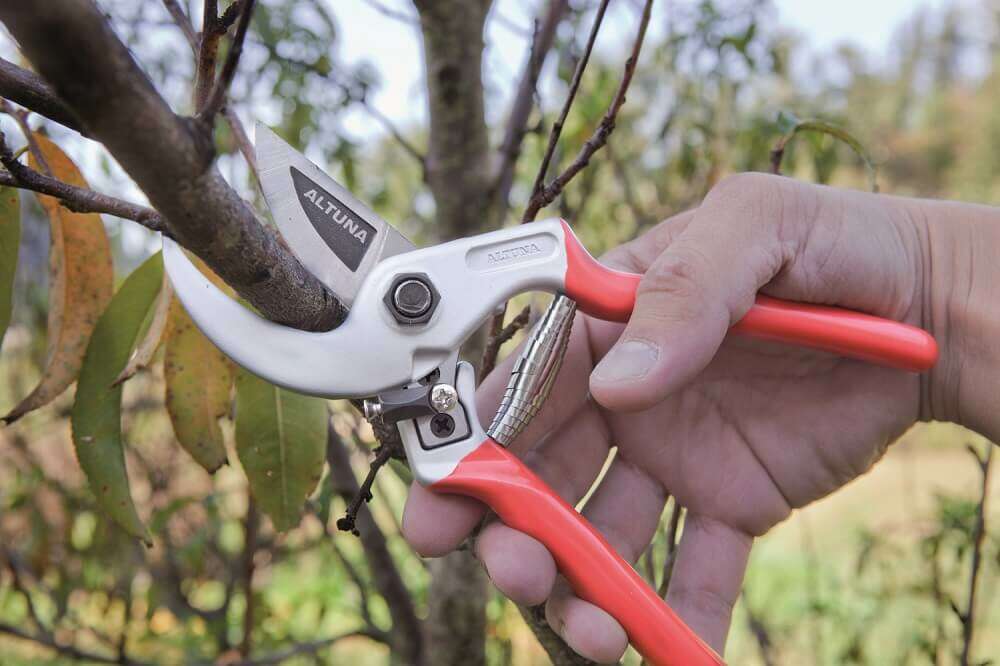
[(27, 89), (216, 100), (968, 618), (208, 51), (458, 155), (406, 638), (546, 194), (524, 102), (556, 132), (72, 46), (77, 199)]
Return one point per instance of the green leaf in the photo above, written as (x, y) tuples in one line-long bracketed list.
[(10, 238), (96, 415), (281, 442)]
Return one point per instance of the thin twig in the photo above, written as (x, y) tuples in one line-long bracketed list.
[(394, 14), (499, 337), (556, 131), (76, 199), (968, 618), (208, 52), (312, 647), (355, 576), (352, 95), (217, 98), (642, 220), (183, 22), (524, 98), (251, 525), (17, 578), (406, 637), (242, 140), (760, 633), (542, 194), (673, 527), (32, 92), (348, 523), (68, 650), (599, 138), (20, 116)]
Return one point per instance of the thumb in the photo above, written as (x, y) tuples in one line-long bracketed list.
[(699, 286)]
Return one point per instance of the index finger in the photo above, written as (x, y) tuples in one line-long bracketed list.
[(435, 524)]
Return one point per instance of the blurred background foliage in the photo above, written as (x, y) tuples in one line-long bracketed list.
[(879, 574)]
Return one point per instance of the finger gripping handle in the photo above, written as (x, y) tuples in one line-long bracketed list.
[(610, 295), (595, 571)]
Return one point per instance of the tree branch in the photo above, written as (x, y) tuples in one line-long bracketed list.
[(183, 22), (208, 51), (76, 199), (547, 193), (72, 46), (242, 140), (524, 102), (499, 336), (67, 650), (312, 647), (347, 87), (542, 194), (27, 89), (405, 637), (968, 618), (348, 523), (251, 525), (556, 131), (458, 155), (217, 98), (395, 14)]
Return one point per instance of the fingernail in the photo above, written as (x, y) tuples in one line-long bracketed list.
[(629, 359)]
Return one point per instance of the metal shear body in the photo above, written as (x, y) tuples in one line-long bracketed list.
[(398, 347)]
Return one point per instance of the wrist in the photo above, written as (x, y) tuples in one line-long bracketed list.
[(960, 307)]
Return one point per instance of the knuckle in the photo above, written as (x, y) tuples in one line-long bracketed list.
[(757, 201), (679, 275), (741, 187), (702, 603)]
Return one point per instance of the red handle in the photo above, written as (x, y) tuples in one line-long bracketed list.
[(610, 295), (596, 572)]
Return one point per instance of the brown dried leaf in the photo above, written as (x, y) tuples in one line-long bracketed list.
[(81, 282)]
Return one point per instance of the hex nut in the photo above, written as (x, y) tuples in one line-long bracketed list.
[(402, 295)]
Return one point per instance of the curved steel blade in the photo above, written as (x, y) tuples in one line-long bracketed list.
[(334, 235), (345, 362)]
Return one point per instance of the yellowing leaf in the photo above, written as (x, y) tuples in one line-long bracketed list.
[(10, 238), (281, 442), (81, 279), (198, 379), (154, 333), (96, 415)]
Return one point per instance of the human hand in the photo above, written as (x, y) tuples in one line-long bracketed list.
[(740, 431)]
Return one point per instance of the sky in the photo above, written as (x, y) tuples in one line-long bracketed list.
[(393, 45)]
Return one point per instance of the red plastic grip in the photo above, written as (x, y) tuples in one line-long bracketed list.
[(596, 572), (610, 295)]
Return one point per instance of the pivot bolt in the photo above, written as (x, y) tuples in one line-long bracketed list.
[(411, 298), (444, 397)]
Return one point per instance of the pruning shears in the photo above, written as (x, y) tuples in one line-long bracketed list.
[(410, 311)]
